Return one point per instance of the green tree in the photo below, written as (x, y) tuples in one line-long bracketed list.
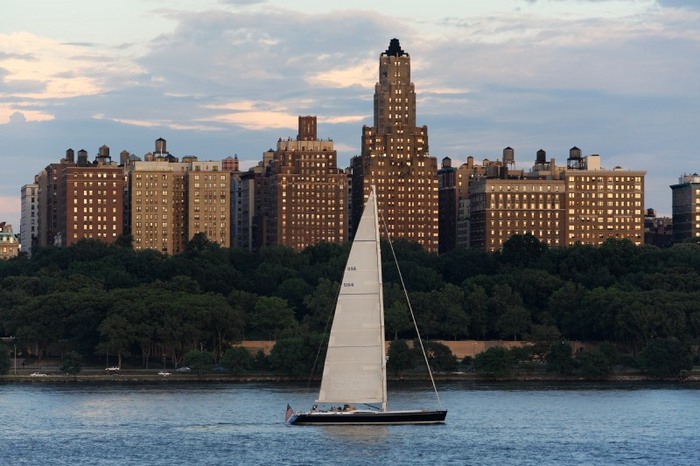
[(294, 291), (72, 364), (117, 334), (400, 357), (477, 311), (463, 263), (124, 240), (610, 352), (293, 356), (426, 314), (184, 319), (198, 243), (542, 337), (564, 306), (559, 358), (270, 275), (593, 364), (439, 355), (4, 360), (507, 315), (694, 329), (665, 357), (494, 362), (597, 314), (237, 360), (224, 324), (638, 322), (87, 308), (535, 287), (199, 361), (454, 321), (417, 277), (271, 315), (40, 321), (521, 354), (522, 250), (320, 304), (397, 319), (513, 322)]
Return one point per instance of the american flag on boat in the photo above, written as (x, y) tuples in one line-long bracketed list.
[(289, 413)]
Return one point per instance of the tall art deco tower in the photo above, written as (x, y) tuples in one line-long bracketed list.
[(395, 157)]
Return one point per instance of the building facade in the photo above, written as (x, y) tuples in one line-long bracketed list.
[(501, 208), (447, 206), (157, 191), (172, 200), (581, 203), (245, 210), (685, 208), (209, 202), (50, 181), (9, 246), (232, 167), (658, 231), (308, 191), (602, 204), (395, 158), (253, 205), (29, 223), (80, 199), (453, 200), (92, 200)]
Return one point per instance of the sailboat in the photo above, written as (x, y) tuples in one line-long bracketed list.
[(354, 372)]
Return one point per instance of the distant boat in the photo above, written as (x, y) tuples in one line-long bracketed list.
[(354, 372)]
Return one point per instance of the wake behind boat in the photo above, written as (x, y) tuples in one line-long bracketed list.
[(354, 372)]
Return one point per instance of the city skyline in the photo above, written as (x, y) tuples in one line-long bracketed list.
[(231, 77)]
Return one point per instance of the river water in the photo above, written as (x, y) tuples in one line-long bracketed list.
[(220, 423)]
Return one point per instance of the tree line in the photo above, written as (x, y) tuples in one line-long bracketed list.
[(100, 300)]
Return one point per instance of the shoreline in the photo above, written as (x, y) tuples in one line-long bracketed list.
[(150, 378)]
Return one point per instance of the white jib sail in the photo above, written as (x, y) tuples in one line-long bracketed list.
[(355, 367)]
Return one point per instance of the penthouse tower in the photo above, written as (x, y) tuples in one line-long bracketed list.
[(395, 157), (308, 191)]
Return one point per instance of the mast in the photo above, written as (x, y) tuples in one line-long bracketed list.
[(385, 404)]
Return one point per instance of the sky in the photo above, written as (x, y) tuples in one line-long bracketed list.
[(217, 78)]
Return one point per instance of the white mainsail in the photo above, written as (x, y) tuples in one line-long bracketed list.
[(355, 367)]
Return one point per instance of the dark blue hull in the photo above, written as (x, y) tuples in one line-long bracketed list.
[(368, 418)]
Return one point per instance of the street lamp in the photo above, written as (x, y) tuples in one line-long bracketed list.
[(14, 343)]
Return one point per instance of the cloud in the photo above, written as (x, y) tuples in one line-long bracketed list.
[(358, 75), (39, 74), (21, 112), (242, 2), (161, 124), (690, 4), (228, 61), (255, 120), (42, 61), (16, 56), (235, 80)]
